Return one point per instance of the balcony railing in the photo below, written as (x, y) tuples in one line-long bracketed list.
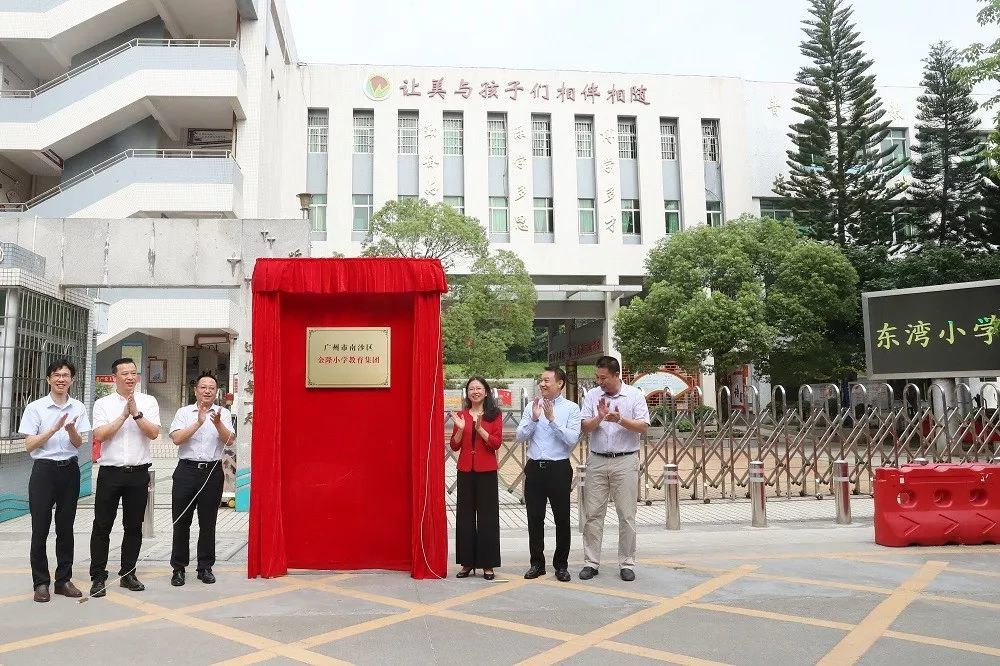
[(153, 153), (118, 50)]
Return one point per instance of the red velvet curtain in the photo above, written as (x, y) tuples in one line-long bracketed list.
[(347, 478)]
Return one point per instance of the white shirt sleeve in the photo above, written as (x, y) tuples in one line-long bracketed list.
[(587, 412), (180, 420), (31, 422), (101, 413), (640, 410), (152, 412), (82, 422)]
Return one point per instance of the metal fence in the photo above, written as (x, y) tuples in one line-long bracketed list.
[(797, 441)]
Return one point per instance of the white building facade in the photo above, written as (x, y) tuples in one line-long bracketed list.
[(200, 109)]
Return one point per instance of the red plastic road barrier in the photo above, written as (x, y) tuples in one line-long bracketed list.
[(934, 505)]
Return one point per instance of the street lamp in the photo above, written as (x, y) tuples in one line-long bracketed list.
[(305, 203)]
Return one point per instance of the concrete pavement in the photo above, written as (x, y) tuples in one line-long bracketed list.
[(798, 592)]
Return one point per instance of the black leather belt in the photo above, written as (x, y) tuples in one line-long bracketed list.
[(58, 463), (615, 455), (542, 464), (131, 468), (200, 464)]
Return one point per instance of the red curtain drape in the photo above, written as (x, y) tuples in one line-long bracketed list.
[(347, 478)]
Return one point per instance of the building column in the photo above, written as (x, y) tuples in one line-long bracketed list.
[(708, 387), (8, 331), (611, 306), (241, 378), (570, 366)]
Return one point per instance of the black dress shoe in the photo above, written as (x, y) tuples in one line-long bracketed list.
[(42, 593), (587, 573), (627, 575), (99, 587), (466, 572), (534, 572), (178, 578), (206, 576), (132, 583), (68, 589), (562, 575), (489, 575)]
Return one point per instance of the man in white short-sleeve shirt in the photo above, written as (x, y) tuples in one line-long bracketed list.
[(201, 431), (616, 416), (126, 423), (54, 429)]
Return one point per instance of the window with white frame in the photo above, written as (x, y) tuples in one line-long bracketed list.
[(362, 212), (319, 130), (587, 216), (627, 147), (454, 141), (895, 228), (544, 221), (713, 213), (458, 203), (668, 139), (631, 225), (584, 136), (317, 213), (499, 223), (986, 146), (672, 215), (541, 136), (710, 140), (776, 210), (364, 132), (408, 142), (496, 134), (895, 140)]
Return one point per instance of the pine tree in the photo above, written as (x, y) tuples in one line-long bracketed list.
[(985, 229), (841, 175), (949, 167)]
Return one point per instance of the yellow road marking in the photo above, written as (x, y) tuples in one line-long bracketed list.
[(976, 603), (781, 617), (75, 633), (944, 642), (608, 631), (860, 639), (368, 596), (659, 655), (836, 585), (428, 609), (541, 632), (612, 592), (16, 597), (915, 565)]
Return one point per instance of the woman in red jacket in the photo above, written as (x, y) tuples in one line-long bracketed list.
[(477, 434)]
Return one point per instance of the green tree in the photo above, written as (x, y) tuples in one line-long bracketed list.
[(752, 291), (950, 165), (984, 65), (488, 311), (841, 170), (415, 228), (986, 226), (491, 299), (879, 270)]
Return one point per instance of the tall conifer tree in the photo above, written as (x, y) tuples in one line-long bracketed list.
[(841, 179), (949, 164)]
